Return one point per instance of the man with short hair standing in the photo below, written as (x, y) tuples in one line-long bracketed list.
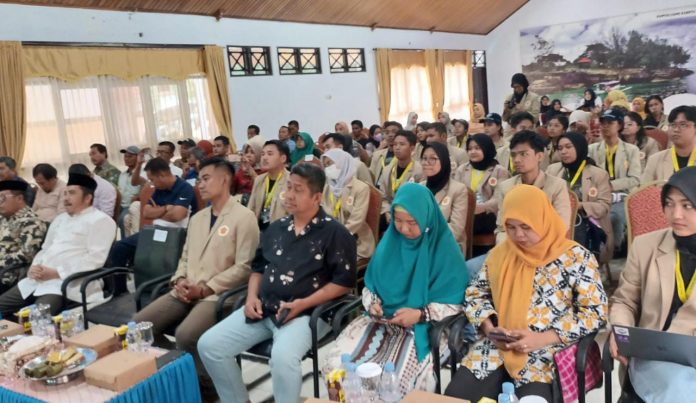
[(102, 167), (21, 232)]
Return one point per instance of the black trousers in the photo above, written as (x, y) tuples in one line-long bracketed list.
[(11, 301), (465, 385)]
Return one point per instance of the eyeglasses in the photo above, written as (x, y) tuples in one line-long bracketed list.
[(429, 160), (680, 125)]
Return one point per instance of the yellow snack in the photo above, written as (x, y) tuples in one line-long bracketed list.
[(53, 357), (74, 359), (67, 353)]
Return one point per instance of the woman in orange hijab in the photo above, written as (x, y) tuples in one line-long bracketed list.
[(537, 293)]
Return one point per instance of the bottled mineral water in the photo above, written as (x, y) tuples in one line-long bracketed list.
[(389, 384), (132, 337), (509, 390)]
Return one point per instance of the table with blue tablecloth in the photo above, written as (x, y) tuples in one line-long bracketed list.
[(175, 382)]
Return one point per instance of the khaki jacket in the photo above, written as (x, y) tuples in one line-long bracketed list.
[(649, 149), (659, 167), (221, 257), (452, 141), (627, 164), (453, 200), (353, 214), (378, 165), (555, 188), (494, 175), (458, 157), (258, 195), (531, 102), (363, 172), (596, 200), (646, 287), (415, 174), (551, 156)]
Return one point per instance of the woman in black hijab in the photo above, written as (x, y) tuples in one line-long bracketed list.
[(592, 189), (482, 174), (589, 100), (655, 292), (451, 196)]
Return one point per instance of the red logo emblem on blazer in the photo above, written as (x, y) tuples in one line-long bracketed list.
[(492, 182)]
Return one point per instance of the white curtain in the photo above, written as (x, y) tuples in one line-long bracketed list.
[(410, 92), (65, 118), (457, 90)]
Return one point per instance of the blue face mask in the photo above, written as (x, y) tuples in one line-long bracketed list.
[(377, 137)]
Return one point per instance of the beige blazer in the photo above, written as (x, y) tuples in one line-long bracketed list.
[(415, 174), (258, 195), (551, 156), (363, 172), (646, 287), (452, 141), (658, 168), (453, 200), (458, 157), (490, 180), (502, 149), (596, 200), (221, 257), (627, 164), (353, 214), (531, 102), (649, 149), (376, 163), (555, 188)]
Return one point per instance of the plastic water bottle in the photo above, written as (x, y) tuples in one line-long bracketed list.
[(132, 337), (352, 385), (345, 360), (503, 398), (509, 390), (389, 384)]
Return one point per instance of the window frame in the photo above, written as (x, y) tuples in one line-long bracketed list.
[(345, 67), (298, 68), (247, 55)]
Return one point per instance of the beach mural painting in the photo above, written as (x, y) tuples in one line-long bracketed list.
[(641, 53)]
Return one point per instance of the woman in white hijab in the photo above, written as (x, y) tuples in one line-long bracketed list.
[(444, 118), (411, 121), (347, 198)]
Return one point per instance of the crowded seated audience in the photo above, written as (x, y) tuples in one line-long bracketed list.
[(634, 133), (304, 260), (682, 153), (537, 293), (267, 199), (437, 133), (403, 168), (384, 155), (655, 293), (417, 276), (78, 240)]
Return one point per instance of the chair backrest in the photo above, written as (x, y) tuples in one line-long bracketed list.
[(158, 252), (469, 227), (117, 206), (373, 211), (660, 136), (573, 214), (644, 210), (145, 194)]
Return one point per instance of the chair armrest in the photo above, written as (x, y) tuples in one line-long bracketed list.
[(607, 359), (220, 304), (581, 354), (73, 277), (343, 312), (158, 282), (99, 275)]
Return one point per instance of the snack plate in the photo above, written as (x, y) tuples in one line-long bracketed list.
[(67, 374)]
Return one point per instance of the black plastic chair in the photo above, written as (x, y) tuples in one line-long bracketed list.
[(628, 394), (457, 342), (262, 351), (154, 264)]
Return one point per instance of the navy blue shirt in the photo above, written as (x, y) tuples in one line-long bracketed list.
[(181, 194)]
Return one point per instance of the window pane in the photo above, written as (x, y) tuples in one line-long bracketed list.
[(410, 92), (457, 91), (43, 138), (127, 107), (203, 126), (83, 118), (165, 105)]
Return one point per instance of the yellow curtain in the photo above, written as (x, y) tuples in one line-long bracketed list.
[(12, 101), (383, 82), (74, 63), (214, 63), (435, 63)]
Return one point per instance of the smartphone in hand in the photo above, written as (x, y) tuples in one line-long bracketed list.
[(501, 337)]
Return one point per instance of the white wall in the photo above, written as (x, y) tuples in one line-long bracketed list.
[(503, 43), (316, 101)]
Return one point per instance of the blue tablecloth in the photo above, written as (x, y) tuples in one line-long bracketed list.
[(177, 382)]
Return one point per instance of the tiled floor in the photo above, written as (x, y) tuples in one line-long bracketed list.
[(264, 391)]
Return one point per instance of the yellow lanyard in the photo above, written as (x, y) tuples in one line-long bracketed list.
[(476, 177), (395, 183), (675, 162), (512, 167), (611, 152), (683, 294), (462, 142), (577, 174), (269, 195), (336, 205)]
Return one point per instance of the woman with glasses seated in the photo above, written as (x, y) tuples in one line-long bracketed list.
[(417, 275), (593, 191), (450, 195), (655, 292), (536, 294), (482, 174)]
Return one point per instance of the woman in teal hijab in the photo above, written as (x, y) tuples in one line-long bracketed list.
[(304, 146), (416, 275)]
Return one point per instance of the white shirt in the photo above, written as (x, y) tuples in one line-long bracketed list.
[(104, 196), (127, 190), (74, 243)]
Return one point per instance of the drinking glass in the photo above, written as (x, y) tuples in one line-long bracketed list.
[(146, 335)]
